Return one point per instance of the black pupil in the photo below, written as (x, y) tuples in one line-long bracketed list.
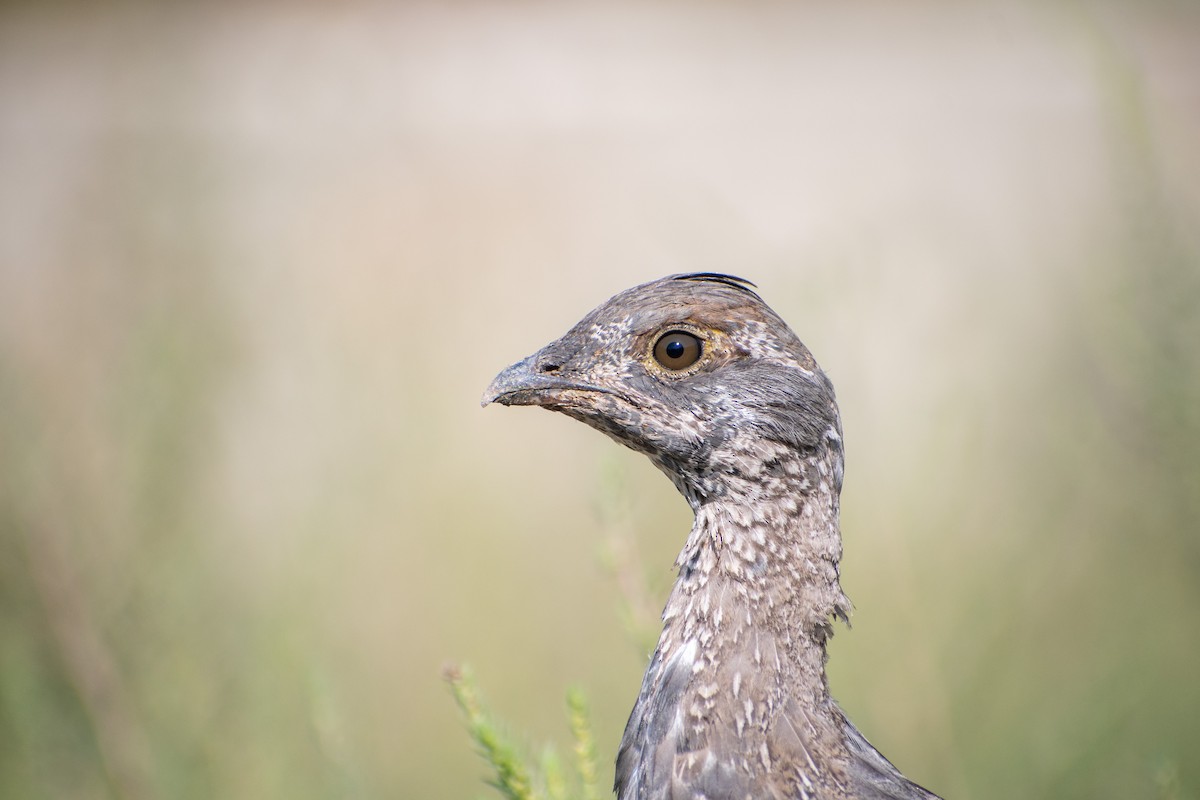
[(674, 349)]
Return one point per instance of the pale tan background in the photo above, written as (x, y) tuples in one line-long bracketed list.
[(257, 263)]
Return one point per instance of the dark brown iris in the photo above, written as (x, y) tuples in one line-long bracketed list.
[(677, 350)]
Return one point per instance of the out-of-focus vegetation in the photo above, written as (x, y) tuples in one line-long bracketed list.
[(257, 262), (516, 777)]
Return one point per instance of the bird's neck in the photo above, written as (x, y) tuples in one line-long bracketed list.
[(738, 677), (762, 562)]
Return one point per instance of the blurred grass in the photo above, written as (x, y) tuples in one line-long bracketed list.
[(256, 264), (515, 775)]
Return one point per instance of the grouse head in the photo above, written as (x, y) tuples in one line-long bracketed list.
[(694, 370)]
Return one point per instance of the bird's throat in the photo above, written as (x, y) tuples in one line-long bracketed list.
[(746, 625), (769, 544), (758, 583)]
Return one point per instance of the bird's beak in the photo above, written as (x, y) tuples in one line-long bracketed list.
[(523, 384), (515, 385)]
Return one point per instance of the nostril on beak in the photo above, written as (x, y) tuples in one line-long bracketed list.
[(549, 366)]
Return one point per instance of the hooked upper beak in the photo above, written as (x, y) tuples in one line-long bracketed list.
[(525, 384)]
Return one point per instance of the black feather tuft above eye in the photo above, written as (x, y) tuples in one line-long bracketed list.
[(677, 350), (732, 281)]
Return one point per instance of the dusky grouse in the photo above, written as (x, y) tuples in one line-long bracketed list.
[(699, 374)]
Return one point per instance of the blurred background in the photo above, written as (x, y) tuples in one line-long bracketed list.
[(258, 262)]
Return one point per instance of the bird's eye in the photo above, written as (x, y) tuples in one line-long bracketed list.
[(677, 350)]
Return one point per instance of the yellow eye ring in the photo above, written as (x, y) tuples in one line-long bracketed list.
[(678, 350)]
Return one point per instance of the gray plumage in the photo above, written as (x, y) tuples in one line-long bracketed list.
[(735, 703)]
